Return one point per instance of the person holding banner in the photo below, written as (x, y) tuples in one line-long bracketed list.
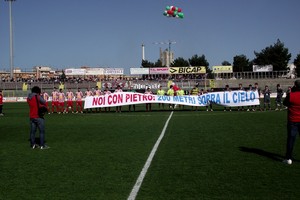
[(195, 92), (87, 94), (160, 92), (97, 93), (129, 107), (54, 103), (227, 89), (107, 92), (256, 88), (171, 92), (241, 88), (79, 96), (118, 108), (292, 101), (148, 105)]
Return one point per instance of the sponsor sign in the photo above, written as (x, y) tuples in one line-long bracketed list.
[(187, 70), (139, 71), (75, 72), (161, 70), (94, 71), (113, 71), (222, 69), (232, 99), (262, 68)]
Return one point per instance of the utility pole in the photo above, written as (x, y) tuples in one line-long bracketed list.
[(11, 52), (169, 43)]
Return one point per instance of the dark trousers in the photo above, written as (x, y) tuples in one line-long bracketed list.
[(37, 123), (293, 128), (1, 106)]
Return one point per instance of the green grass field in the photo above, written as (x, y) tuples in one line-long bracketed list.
[(203, 155)]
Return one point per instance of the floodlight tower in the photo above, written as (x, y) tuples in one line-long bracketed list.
[(11, 52)]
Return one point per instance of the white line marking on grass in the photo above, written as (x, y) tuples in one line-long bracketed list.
[(143, 173)]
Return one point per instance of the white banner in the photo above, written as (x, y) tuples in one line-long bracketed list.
[(94, 71), (113, 71), (75, 72), (233, 98), (262, 68), (139, 71)]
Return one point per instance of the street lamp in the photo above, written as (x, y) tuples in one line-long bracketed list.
[(11, 55)]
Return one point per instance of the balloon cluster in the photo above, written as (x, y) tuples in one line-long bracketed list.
[(172, 11)]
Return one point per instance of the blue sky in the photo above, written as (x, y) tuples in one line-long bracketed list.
[(109, 33)]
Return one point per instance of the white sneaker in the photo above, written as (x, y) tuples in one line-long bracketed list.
[(288, 161)]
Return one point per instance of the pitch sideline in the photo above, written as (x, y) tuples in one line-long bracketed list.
[(143, 173)]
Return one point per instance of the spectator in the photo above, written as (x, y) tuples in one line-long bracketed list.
[(292, 101), (36, 120)]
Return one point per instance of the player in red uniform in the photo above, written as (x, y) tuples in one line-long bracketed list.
[(54, 96), (78, 97), (46, 98), (70, 97), (61, 101)]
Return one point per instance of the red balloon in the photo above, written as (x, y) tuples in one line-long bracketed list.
[(173, 8), (179, 10), (170, 12)]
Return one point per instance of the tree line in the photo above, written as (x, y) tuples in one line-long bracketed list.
[(277, 55)]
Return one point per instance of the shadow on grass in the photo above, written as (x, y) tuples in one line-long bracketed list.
[(260, 152)]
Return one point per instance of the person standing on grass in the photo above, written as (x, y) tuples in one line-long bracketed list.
[(107, 92), (256, 88), (292, 101), (227, 89), (148, 105), (34, 99), (70, 96), (195, 92), (161, 92), (133, 105), (46, 98), (118, 90), (79, 97), (279, 97), (267, 98), (1, 103), (61, 101), (171, 93), (54, 103)]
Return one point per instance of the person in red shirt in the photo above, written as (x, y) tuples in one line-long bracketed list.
[(292, 101), (1, 103), (70, 96), (35, 100), (46, 98), (54, 96), (78, 97), (61, 101)]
